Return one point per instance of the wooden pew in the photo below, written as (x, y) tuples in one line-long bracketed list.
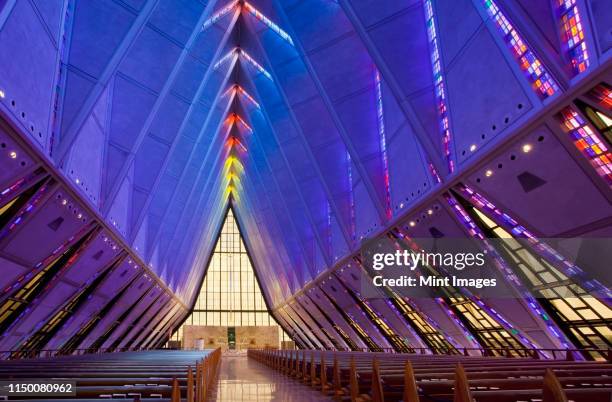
[(368, 376)]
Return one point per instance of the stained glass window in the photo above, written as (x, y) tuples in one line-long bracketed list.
[(479, 323), (582, 316), (572, 34), (541, 81), (230, 294), (383, 141), (601, 120), (588, 142)]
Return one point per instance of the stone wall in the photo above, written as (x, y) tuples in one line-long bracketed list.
[(210, 337)]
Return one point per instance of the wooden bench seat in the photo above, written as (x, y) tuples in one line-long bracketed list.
[(359, 376)]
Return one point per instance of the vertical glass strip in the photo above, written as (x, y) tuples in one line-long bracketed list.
[(572, 34), (383, 142), (541, 81), (438, 77)]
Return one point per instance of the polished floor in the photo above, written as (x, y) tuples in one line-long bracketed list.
[(241, 379)]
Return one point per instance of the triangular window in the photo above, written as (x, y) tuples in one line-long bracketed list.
[(230, 297)]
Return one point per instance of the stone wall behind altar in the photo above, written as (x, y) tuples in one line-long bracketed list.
[(211, 337)]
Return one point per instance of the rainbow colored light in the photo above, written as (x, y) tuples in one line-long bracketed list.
[(233, 162), (220, 14), (255, 64), (246, 95), (240, 120), (572, 35), (266, 21), (234, 52), (233, 118), (235, 142), (541, 81)]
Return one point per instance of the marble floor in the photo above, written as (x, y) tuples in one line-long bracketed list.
[(242, 379)]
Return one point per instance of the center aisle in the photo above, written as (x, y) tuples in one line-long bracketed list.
[(241, 379)]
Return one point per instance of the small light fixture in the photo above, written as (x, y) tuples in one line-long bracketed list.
[(472, 147), (430, 212), (489, 173), (79, 216), (527, 148), (2, 94), (64, 201), (411, 223), (13, 154)]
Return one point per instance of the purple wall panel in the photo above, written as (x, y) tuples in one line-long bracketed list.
[(10, 272), (345, 302), (367, 220), (85, 161), (308, 331), (166, 332), (353, 277), (313, 325), (291, 328), (338, 241), (98, 255), (12, 169), (163, 327), (316, 314), (295, 328), (602, 18), (345, 68), (28, 79), (491, 108), (158, 318), (144, 320), (137, 288), (37, 314), (120, 277), (55, 296), (324, 304), (126, 325), (409, 179), (541, 207), (54, 221), (78, 320)]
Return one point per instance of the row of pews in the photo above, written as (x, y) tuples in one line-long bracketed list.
[(358, 376), (154, 375)]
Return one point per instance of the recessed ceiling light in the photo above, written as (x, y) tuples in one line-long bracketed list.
[(527, 148), (489, 173), (472, 147)]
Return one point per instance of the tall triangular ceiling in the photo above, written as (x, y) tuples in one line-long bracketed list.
[(322, 121), (302, 157)]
